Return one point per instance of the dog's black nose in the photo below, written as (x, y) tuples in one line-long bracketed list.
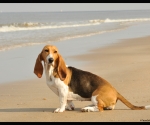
[(50, 60)]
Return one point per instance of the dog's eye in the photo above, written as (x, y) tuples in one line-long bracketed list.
[(55, 51), (46, 50)]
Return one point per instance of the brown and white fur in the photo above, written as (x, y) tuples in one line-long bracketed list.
[(71, 84)]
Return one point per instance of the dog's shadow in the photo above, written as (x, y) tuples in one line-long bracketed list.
[(27, 110), (33, 110), (41, 110)]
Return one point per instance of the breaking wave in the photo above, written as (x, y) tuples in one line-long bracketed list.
[(38, 26)]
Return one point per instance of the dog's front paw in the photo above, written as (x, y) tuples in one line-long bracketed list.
[(59, 110), (70, 105), (68, 108)]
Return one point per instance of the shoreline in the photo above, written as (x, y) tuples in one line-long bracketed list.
[(124, 64)]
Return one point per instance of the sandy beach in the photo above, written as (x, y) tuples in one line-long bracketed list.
[(125, 64)]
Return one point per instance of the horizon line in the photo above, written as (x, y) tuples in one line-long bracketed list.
[(74, 10)]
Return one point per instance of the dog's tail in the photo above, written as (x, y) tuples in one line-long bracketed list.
[(128, 104)]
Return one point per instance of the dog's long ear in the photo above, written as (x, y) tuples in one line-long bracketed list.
[(38, 68), (61, 70)]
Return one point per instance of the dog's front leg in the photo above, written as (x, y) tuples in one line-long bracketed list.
[(70, 106), (63, 92)]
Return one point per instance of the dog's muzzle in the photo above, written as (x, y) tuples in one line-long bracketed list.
[(50, 60)]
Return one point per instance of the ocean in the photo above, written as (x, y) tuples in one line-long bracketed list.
[(32, 28), (23, 35)]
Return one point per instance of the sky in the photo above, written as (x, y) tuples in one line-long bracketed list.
[(50, 7)]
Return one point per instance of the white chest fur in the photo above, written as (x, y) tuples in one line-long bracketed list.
[(50, 80)]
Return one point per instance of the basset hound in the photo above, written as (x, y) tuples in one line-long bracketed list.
[(71, 84)]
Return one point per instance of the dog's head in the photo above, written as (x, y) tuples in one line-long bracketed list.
[(51, 57)]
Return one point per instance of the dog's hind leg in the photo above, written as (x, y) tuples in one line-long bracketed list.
[(100, 105), (97, 105)]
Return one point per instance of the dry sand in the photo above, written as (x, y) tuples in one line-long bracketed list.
[(126, 65)]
